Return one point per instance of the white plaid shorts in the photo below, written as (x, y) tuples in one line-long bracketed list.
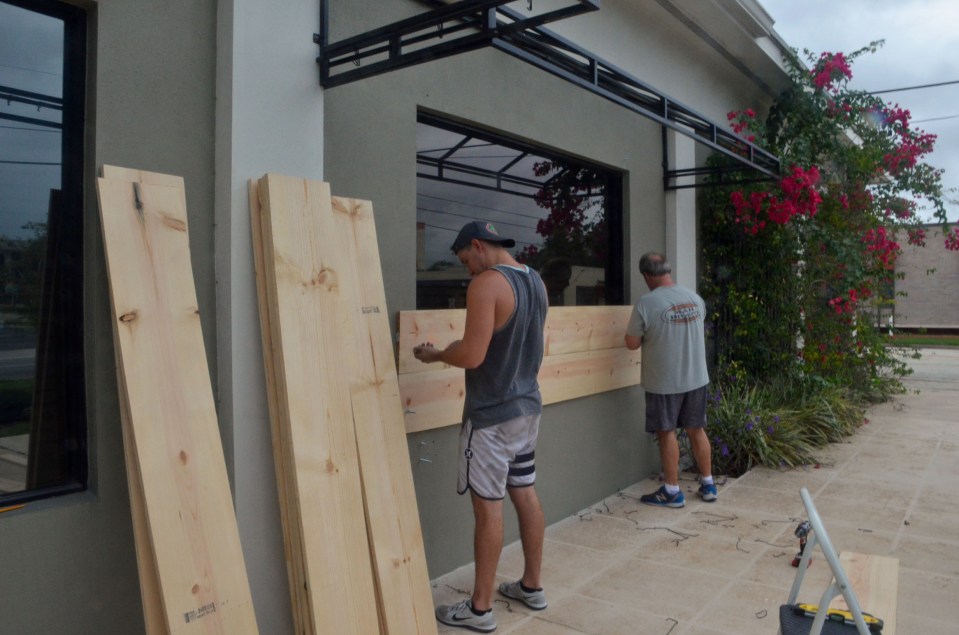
[(498, 456)]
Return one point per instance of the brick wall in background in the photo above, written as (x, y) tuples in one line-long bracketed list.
[(931, 284)]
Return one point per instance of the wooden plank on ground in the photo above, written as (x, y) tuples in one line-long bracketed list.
[(312, 341), (875, 580), (396, 540), (164, 374)]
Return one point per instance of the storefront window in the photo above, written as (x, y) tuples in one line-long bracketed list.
[(42, 413), (565, 215)]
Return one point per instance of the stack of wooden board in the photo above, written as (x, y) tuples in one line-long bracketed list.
[(192, 575), (351, 527), (585, 354)]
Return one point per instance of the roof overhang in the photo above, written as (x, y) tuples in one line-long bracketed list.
[(450, 29)]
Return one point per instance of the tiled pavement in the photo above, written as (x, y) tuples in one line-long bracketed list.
[(622, 568)]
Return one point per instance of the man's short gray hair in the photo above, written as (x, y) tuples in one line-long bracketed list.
[(654, 264)]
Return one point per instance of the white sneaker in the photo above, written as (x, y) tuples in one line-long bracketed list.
[(461, 615), (535, 600)]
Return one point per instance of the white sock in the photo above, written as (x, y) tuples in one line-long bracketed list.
[(706, 480), (671, 489)]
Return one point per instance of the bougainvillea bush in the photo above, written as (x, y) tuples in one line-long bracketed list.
[(799, 272)]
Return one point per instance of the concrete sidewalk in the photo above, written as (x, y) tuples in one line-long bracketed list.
[(622, 568)]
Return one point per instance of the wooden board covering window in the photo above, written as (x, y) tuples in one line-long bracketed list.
[(584, 355), (192, 569)]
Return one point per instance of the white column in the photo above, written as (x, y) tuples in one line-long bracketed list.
[(269, 118), (681, 244)]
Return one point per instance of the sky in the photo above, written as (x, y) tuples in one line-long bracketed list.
[(921, 47), (31, 52)]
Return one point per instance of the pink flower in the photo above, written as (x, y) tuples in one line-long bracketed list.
[(830, 69), (952, 239)]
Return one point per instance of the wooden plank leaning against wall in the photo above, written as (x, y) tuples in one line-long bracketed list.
[(584, 355), (331, 373), (189, 556)]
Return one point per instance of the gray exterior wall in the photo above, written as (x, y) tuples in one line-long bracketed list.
[(68, 563), (930, 284), (221, 91), (217, 91)]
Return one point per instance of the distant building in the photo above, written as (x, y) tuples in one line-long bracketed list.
[(927, 296)]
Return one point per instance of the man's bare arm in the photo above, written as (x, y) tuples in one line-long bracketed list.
[(484, 292)]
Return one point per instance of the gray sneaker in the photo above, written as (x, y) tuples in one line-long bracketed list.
[(461, 615), (535, 600)]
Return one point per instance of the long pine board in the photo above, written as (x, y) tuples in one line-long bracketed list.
[(154, 619), (396, 539), (279, 433), (585, 355), (312, 340), (150, 598), (186, 495)]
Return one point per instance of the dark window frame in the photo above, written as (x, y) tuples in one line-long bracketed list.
[(69, 263)]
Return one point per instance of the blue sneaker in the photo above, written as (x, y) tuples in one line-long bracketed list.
[(708, 492), (660, 498)]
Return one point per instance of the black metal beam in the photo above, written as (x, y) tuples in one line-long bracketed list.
[(568, 61), (36, 100), (489, 23), (391, 47)]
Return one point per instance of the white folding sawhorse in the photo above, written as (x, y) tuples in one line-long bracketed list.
[(840, 585)]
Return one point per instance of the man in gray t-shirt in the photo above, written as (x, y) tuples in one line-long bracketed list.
[(668, 322)]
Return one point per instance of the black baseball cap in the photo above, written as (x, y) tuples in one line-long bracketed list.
[(480, 231)]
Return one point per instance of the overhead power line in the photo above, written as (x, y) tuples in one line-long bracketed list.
[(896, 90)]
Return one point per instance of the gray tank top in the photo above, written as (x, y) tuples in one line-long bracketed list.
[(504, 386)]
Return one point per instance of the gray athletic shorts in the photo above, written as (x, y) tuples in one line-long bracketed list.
[(682, 410), (497, 457)]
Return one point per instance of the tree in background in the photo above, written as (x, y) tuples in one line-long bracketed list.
[(796, 272)]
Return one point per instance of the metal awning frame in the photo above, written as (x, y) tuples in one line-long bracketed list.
[(448, 168), (37, 100), (483, 23)]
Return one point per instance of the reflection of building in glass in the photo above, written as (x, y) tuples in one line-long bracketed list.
[(557, 209)]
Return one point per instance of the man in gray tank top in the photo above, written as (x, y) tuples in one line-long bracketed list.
[(668, 322), (501, 350)]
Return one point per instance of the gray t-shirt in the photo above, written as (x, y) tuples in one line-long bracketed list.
[(671, 322)]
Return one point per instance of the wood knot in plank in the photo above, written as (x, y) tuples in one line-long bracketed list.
[(331, 466), (174, 223), (325, 278), (184, 459), (129, 316)]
